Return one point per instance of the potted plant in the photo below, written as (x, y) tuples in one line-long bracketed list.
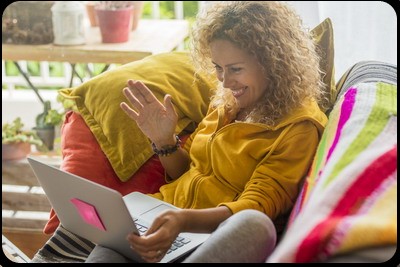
[(48, 120), (115, 20), (16, 142), (137, 13), (44, 128)]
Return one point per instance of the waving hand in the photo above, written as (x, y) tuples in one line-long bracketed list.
[(156, 120)]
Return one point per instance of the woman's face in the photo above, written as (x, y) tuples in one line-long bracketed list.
[(238, 71)]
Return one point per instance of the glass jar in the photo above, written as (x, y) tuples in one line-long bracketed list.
[(68, 23)]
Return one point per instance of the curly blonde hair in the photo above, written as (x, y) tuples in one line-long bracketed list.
[(273, 33)]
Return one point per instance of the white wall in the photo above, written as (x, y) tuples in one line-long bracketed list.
[(26, 105), (363, 30)]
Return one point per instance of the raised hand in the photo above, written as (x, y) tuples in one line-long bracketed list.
[(156, 120)]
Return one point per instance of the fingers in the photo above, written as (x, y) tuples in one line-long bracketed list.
[(143, 244), (141, 92), (154, 244), (132, 99), (135, 93), (154, 256), (129, 111), (147, 248), (156, 225), (168, 104)]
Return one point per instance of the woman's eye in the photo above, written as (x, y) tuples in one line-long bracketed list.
[(218, 68), (236, 69)]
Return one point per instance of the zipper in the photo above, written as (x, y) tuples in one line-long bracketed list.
[(211, 137), (194, 184)]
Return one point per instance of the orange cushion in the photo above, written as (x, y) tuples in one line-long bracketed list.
[(83, 156)]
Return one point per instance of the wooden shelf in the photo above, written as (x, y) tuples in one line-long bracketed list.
[(151, 37)]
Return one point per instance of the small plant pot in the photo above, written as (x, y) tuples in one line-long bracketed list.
[(47, 135), (115, 25), (91, 14), (15, 151), (137, 13)]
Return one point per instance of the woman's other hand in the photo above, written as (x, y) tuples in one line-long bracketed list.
[(156, 120), (154, 244)]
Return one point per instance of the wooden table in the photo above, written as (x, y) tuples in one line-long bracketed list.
[(151, 37)]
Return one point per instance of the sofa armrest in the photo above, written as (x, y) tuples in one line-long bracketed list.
[(348, 202)]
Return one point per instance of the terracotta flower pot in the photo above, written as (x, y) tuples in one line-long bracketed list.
[(115, 25), (15, 151), (137, 13), (91, 14)]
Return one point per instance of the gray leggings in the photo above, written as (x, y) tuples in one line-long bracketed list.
[(248, 236)]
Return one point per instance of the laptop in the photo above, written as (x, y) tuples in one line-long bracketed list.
[(102, 215)]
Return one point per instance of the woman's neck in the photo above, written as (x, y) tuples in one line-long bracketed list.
[(244, 112), (241, 115)]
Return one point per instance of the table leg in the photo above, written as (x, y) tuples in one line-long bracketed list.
[(105, 68), (26, 77), (74, 72)]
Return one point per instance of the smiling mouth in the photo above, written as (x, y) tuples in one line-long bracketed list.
[(239, 93)]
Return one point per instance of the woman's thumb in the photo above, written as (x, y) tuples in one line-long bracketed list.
[(168, 103)]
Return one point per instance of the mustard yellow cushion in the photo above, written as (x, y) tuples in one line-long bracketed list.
[(323, 36), (123, 143)]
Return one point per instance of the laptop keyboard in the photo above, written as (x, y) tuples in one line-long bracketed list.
[(178, 243)]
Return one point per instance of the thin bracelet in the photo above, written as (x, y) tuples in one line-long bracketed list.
[(167, 150)]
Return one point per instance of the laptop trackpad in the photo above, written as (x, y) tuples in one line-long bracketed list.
[(150, 215)]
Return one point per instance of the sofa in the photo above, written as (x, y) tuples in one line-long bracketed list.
[(347, 207)]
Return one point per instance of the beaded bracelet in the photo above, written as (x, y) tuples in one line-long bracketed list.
[(167, 150)]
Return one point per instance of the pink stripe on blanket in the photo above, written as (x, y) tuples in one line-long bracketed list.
[(346, 109), (314, 245)]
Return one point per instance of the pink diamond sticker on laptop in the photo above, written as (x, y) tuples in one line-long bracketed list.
[(88, 213)]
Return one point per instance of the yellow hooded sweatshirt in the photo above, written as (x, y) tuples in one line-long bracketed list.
[(247, 165)]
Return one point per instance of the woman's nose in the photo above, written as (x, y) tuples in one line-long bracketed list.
[(227, 80)]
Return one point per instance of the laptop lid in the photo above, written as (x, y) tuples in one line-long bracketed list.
[(88, 209), (101, 214)]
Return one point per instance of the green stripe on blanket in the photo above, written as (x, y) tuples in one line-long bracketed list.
[(383, 108)]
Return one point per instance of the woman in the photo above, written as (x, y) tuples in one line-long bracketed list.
[(257, 140)]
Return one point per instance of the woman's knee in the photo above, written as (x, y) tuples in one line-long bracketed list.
[(246, 236), (254, 218), (259, 225)]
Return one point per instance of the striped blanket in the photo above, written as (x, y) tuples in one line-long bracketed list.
[(64, 247), (349, 199)]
